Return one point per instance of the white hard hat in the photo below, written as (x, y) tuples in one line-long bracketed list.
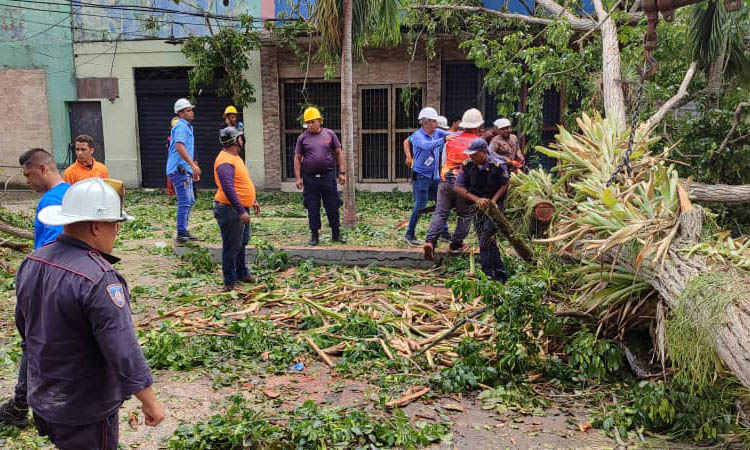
[(472, 118), (181, 104), (502, 122), (91, 199), (443, 122), (428, 113)]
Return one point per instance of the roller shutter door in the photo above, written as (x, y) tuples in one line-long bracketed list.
[(156, 90)]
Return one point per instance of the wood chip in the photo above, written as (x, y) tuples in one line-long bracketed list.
[(412, 394)]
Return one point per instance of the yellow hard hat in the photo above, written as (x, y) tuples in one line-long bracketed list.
[(230, 110), (312, 113), (174, 121)]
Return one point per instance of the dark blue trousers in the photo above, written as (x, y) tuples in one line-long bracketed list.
[(102, 435), (20, 394), (489, 254), (321, 187), (234, 238)]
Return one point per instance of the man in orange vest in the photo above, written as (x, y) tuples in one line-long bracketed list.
[(235, 195), (85, 165)]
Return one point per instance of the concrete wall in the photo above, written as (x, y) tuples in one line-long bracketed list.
[(119, 117), (37, 78)]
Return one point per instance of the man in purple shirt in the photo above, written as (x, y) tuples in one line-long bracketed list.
[(314, 169), (73, 314)]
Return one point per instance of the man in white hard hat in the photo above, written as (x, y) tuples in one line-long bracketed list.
[(447, 200), (426, 143), (73, 314), (507, 145), (181, 166)]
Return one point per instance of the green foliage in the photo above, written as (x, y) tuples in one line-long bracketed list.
[(224, 55), (200, 261), (670, 408), (167, 348), (140, 228), (309, 426), (593, 359), (469, 371), (692, 325), (519, 398)]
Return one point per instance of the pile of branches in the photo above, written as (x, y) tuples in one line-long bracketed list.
[(401, 322), (639, 243)]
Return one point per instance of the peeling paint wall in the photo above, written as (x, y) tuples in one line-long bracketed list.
[(36, 41)]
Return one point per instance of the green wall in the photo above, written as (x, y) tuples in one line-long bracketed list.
[(31, 39)]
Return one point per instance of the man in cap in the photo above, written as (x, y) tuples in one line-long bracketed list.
[(447, 199), (41, 174), (315, 171), (181, 166), (507, 145), (427, 143), (85, 166), (483, 178), (235, 195), (73, 315)]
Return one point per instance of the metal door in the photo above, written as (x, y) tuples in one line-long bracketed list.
[(86, 118)]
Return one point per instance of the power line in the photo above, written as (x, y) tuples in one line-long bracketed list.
[(39, 33)]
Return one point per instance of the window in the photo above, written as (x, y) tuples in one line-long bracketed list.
[(463, 88), (326, 96), (385, 121)]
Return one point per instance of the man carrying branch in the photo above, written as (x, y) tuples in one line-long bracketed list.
[(483, 178)]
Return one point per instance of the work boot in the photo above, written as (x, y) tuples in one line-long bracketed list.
[(13, 414), (313, 238), (429, 251), (337, 237), (182, 239), (229, 287), (248, 279)]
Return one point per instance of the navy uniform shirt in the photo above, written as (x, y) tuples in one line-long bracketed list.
[(485, 180), (73, 313)]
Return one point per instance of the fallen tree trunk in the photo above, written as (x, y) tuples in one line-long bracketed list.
[(720, 193), (18, 232)]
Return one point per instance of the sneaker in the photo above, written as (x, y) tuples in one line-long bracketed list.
[(412, 242), (429, 251), (14, 415), (458, 250), (181, 239)]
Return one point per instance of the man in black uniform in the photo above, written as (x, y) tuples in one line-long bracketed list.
[(73, 314), (483, 178)]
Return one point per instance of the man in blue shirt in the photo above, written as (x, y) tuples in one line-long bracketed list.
[(427, 143), (41, 174), (182, 169)]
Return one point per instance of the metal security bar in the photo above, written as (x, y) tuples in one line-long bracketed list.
[(385, 122)]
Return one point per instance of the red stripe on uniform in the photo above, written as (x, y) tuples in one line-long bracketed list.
[(36, 258)]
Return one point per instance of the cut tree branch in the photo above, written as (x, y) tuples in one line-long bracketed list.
[(670, 104), (726, 194), (474, 9), (18, 232)]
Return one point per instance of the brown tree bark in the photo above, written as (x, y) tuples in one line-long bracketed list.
[(10, 229), (347, 116), (506, 228), (720, 193)]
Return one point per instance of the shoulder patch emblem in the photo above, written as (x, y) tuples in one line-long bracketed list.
[(117, 294)]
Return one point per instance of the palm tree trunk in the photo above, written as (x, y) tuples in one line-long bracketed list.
[(716, 72), (614, 99), (347, 116)]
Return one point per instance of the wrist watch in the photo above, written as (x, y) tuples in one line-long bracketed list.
[(342, 173)]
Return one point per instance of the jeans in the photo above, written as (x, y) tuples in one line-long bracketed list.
[(489, 254), (183, 188), (102, 435), (19, 397), (315, 188), (447, 199), (234, 238), (424, 188)]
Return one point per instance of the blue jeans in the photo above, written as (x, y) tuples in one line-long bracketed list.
[(234, 238), (424, 188), (183, 189)]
